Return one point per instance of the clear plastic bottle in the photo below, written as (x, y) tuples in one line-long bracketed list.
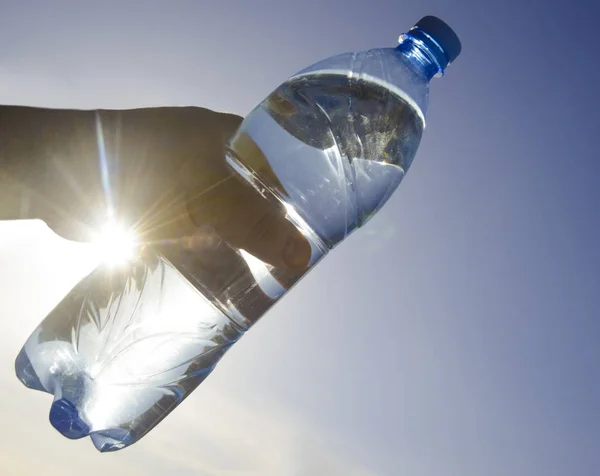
[(327, 149)]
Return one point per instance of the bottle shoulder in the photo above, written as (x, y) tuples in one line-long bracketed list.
[(388, 67)]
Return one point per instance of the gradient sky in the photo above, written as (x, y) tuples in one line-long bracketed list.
[(459, 334)]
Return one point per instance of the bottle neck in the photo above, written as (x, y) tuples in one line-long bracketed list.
[(422, 55)]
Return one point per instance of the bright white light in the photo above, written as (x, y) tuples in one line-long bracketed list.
[(115, 244)]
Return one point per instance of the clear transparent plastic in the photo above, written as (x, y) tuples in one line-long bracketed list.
[(327, 148)]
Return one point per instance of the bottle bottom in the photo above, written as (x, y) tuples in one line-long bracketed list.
[(119, 353), (65, 418)]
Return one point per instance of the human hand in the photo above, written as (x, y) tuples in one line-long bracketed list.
[(161, 171)]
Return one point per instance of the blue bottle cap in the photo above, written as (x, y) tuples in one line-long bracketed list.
[(439, 37)]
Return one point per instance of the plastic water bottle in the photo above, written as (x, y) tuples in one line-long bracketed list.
[(126, 346)]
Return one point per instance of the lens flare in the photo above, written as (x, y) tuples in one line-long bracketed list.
[(115, 244)]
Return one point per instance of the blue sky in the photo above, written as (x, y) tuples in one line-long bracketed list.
[(459, 333)]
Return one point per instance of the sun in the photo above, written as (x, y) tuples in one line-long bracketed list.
[(115, 244)]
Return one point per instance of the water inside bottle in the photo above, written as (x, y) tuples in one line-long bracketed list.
[(334, 148), (128, 344)]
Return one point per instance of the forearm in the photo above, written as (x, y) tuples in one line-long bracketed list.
[(31, 139), (15, 199), (15, 188)]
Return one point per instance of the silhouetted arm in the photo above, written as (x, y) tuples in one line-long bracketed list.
[(161, 170)]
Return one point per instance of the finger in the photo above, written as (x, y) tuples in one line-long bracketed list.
[(274, 239), (238, 212), (246, 220)]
